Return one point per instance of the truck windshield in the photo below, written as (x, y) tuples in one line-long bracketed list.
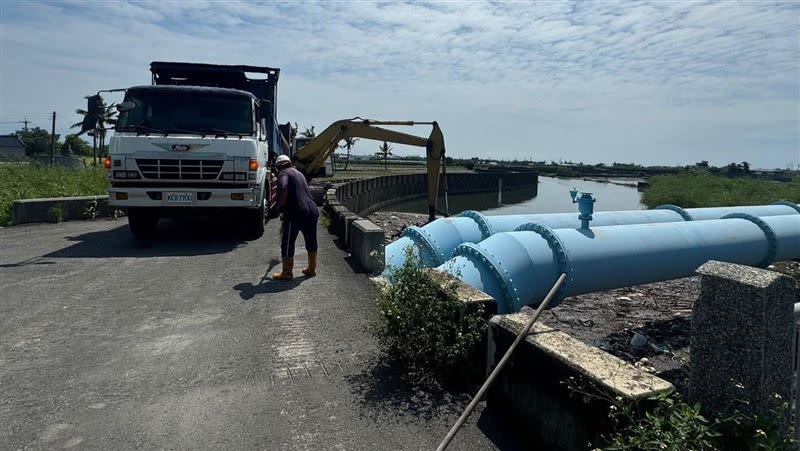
[(187, 111)]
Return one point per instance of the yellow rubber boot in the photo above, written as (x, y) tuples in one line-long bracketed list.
[(311, 271), (286, 273)]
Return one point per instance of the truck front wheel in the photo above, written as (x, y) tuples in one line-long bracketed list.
[(257, 219), (143, 222)]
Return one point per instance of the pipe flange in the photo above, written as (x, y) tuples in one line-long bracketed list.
[(510, 294), (483, 224), (559, 250), (772, 239), (420, 235), (788, 204), (684, 214)]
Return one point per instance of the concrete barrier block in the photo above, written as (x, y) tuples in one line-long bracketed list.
[(343, 226), (741, 337), (335, 213), (57, 209), (473, 297), (367, 245), (533, 391)]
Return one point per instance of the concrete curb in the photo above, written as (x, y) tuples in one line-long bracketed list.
[(57, 209)]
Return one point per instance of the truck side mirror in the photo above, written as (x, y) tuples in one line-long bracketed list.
[(125, 106)]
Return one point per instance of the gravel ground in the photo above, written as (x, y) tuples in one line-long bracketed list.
[(660, 313), (393, 223)]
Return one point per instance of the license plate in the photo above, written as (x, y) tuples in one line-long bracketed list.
[(180, 198)]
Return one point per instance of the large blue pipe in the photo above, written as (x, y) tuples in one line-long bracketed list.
[(434, 243), (518, 268)]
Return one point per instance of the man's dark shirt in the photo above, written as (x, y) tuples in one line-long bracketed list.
[(299, 203)]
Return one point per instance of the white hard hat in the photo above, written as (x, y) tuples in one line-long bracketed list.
[(282, 159)]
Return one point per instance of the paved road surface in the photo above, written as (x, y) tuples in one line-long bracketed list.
[(106, 343)]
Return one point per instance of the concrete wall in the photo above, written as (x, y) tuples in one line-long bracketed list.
[(58, 209), (539, 391), (347, 203), (368, 195)]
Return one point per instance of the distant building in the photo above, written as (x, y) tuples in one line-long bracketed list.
[(12, 148)]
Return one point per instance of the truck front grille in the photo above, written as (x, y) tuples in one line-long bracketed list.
[(179, 169)]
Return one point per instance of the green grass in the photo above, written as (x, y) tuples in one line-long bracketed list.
[(705, 190), (27, 181)]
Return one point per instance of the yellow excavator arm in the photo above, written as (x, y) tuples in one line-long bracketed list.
[(311, 157)]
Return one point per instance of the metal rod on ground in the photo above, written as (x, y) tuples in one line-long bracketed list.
[(797, 370), (489, 380)]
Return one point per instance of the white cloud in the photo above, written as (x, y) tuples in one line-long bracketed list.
[(650, 82)]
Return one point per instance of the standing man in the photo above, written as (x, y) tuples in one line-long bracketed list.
[(300, 215)]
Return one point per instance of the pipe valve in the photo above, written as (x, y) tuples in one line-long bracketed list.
[(585, 206)]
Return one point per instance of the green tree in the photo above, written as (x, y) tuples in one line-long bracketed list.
[(309, 132), (96, 118), (384, 151), (76, 145), (745, 167), (37, 140), (348, 144)]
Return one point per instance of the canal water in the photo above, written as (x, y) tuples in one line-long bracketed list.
[(552, 196)]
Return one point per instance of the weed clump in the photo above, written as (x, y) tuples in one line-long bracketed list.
[(423, 325)]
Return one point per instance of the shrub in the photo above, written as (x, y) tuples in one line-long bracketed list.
[(423, 325), (673, 424)]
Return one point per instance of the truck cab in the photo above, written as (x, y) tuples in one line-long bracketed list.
[(201, 137)]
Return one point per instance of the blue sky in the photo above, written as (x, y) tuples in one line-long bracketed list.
[(648, 82)]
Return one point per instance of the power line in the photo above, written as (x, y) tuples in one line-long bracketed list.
[(25, 121)]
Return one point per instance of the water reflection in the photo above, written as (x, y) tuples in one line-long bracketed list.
[(552, 196)]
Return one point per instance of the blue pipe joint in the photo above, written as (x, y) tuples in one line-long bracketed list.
[(585, 206), (510, 301), (772, 239), (480, 220), (560, 255), (684, 214)]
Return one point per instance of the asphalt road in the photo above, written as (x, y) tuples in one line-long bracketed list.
[(177, 343)]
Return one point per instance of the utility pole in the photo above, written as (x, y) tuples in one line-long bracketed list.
[(53, 141)]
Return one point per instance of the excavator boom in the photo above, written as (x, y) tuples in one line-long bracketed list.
[(312, 156)]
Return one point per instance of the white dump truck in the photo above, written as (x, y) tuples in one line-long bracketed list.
[(202, 136)]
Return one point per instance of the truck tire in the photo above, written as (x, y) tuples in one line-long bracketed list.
[(143, 222), (257, 219)]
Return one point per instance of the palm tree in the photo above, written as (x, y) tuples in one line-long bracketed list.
[(97, 120), (348, 144), (384, 151), (309, 132)]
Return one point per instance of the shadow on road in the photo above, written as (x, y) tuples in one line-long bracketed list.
[(385, 396), (383, 392), (30, 261), (174, 238), (248, 291)]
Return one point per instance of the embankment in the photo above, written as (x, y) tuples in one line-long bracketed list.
[(346, 205)]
